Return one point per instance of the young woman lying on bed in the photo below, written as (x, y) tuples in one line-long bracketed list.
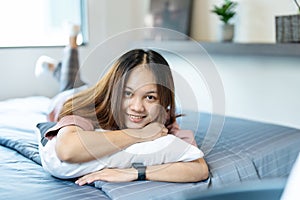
[(121, 129)]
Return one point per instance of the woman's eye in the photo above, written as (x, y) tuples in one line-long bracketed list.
[(151, 98), (127, 94)]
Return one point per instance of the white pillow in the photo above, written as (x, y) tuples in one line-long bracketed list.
[(162, 150)]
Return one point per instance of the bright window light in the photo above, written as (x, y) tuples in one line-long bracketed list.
[(40, 22)]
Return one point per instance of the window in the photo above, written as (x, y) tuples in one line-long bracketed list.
[(40, 22)]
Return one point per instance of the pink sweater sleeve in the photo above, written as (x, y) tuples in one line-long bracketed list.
[(69, 120)]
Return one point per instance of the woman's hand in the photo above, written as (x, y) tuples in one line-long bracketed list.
[(109, 175)]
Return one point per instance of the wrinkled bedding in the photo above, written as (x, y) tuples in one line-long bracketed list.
[(243, 151)]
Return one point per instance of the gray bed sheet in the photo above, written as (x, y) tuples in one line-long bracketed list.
[(22, 178), (243, 151)]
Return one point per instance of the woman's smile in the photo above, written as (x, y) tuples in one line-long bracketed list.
[(136, 118)]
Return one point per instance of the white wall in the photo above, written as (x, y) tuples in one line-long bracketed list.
[(261, 88), (256, 87)]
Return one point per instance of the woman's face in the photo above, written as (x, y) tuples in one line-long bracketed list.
[(140, 98)]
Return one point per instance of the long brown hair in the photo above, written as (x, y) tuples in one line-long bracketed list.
[(102, 102)]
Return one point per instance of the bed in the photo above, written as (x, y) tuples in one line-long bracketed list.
[(246, 151)]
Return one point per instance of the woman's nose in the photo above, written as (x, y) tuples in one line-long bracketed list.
[(136, 104)]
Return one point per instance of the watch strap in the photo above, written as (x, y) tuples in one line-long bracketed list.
[(141, 168)]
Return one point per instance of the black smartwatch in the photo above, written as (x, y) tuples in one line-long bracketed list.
[(141, 170)]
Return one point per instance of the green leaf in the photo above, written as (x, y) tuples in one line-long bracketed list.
[(225, 11)]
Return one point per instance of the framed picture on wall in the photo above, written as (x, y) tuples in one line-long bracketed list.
[(174, 15)]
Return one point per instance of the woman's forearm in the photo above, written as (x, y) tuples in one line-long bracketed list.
[(193, 171), (75, 145)]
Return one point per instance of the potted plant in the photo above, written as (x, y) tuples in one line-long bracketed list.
[(288, 27), (226, 12)]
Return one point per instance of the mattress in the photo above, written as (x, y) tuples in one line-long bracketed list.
[(242, 151)]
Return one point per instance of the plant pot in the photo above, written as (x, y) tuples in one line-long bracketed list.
[(288, 28), (226, 32)]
